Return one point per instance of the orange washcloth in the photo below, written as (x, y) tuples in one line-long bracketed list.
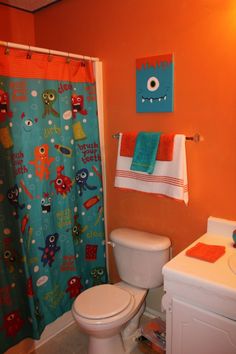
[(209, 253), (165, 147)]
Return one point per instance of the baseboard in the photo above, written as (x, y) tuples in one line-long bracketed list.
[(28, 345)]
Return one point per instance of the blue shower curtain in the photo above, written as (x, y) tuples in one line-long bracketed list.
[(52, 238)]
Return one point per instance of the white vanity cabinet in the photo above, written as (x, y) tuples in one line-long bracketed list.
[(193, 330), (200, 300)]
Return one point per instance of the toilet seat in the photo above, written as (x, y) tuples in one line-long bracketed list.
[(102, 301)]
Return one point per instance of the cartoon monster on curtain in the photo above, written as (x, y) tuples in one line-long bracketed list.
[(51, 197)]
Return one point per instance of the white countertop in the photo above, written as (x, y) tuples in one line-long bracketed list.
[(214, 276)]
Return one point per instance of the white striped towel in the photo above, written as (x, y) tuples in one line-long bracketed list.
[(169, 178)]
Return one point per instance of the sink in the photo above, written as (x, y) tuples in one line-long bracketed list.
[(232, 263)]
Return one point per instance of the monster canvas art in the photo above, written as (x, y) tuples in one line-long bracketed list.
[(154, 84)]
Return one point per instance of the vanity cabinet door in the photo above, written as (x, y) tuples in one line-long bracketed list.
[(197, 331)]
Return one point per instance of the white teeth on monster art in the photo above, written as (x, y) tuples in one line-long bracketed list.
[(151, 100)]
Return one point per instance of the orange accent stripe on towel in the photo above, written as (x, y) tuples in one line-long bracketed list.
[(39, 67), (152, 178)]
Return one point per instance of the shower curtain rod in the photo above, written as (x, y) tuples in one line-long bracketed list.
[(31, 49)]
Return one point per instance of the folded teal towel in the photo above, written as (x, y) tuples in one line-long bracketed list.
[(145, 152)]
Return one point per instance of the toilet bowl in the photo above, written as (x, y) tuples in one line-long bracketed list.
[(118, 303), (110, 314)]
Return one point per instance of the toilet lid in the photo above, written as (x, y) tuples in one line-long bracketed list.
[(102, 301)]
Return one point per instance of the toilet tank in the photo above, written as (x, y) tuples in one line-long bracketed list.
[(140, 256)]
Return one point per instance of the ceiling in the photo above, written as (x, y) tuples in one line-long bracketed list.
[(28, 5)]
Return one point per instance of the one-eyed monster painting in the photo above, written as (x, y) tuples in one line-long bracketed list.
[(154, 84)]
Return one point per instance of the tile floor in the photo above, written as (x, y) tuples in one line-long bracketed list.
[(70, 341)]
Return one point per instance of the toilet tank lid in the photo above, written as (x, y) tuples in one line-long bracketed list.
[(139, 239)]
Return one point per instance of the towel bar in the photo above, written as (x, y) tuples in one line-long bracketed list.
[(196, 137)]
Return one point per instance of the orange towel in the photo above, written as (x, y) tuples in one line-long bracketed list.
[(128, 144), (165, 148), (209, 253)]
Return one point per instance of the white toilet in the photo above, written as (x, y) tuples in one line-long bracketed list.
[(110, 313)]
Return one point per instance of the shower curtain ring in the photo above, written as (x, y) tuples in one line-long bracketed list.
[(68, 58), (29, 53), (7, 49)]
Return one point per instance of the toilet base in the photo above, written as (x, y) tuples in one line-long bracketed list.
[(109, 345), (132, 331)]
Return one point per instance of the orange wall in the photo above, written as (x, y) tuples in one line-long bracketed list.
[(16, 26), (202, 36)]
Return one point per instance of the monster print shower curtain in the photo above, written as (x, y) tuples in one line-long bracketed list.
[(51, 198)]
